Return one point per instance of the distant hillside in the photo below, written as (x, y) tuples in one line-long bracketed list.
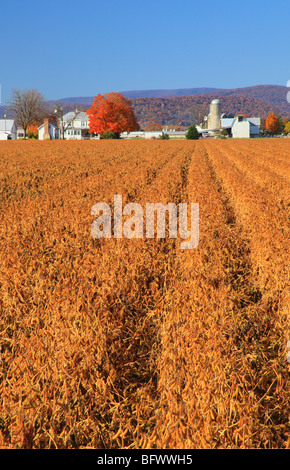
[(87, 100), (183, 111), (185, 105), (273, 95), (166, 93), (182, 106)]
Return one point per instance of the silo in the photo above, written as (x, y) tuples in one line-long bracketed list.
[(215, 115)]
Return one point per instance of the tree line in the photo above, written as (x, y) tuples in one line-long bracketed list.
[(109, 115)]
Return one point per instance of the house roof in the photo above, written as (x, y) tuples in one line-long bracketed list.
[(71, 116), (52, 125), (6, 125)]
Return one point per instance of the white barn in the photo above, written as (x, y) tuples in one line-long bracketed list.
[(242, 127), (8, 129)]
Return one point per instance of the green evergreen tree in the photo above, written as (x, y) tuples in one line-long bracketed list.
[(192, 133)]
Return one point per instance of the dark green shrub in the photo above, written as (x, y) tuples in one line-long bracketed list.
[(164, 137), (110, 135), (192, 133)]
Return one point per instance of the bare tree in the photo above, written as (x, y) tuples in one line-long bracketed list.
[(27, 107), (60, 109)]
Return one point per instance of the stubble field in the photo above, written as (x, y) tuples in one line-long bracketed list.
[(119, 343)]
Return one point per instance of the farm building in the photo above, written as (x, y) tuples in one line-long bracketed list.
[(152, 134), (141, 134), (241, 126), (48, 131), (20, 132), (214, 117), (236, 127), (8, 129)]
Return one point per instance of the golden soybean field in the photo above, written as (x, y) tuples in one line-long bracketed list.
[(136, 343)]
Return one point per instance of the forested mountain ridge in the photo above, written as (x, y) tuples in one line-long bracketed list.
[(186, 105), (183, 111)]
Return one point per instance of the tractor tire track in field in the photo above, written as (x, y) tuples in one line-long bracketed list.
[(252, 333), (132, 347), (133, 339)]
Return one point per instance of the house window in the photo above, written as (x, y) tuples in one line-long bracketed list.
[(68, 132), (240, 118)]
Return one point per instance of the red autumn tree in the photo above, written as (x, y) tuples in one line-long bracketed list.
[(272, 124), (111, 112), (154, 126)]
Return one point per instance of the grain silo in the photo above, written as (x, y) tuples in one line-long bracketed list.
[(214, 118)]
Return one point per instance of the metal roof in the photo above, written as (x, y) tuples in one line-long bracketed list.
[(6, 124), (71, 116), (255, 121), (227, 122), (174, 132)]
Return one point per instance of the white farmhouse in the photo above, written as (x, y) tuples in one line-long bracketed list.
[(75, 125), (8, 129)]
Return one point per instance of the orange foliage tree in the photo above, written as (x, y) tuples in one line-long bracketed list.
[(111, 112), (32, 131), (154, 126), (272, 124)]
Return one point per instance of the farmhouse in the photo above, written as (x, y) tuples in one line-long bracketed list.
[(74, 125), (8, 129)]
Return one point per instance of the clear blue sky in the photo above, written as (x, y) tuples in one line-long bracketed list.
[(82, 48)]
